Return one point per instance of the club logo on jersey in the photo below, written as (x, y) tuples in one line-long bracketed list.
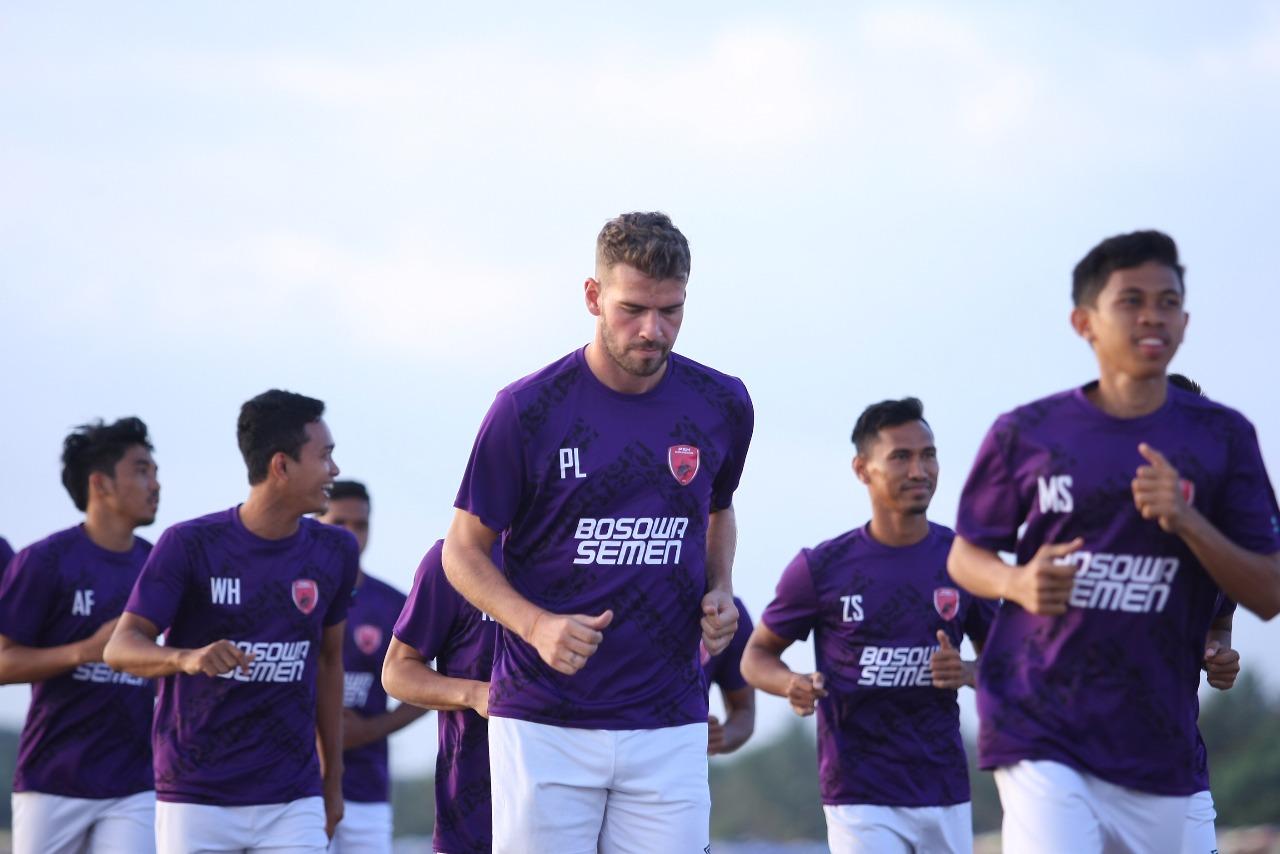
[(306, 593), (683, 462), (946, 601), (1188, 491), (368, 638)]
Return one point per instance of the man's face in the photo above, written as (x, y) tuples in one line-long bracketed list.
[(132, 491), (639, 318), (900, 468), (352, 514), (1137, 322), (311, 475)]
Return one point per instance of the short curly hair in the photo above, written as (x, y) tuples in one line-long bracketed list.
[(97, 447), (647, 241)]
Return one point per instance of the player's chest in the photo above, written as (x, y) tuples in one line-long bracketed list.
[(88, 594), (290, 591), (862, 608)]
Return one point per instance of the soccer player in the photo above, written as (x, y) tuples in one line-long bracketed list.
[(438, 624), (891, 761), (725, 671), (610, 474), (366, 723), (1127, 503), (253, 602), (83, 781)]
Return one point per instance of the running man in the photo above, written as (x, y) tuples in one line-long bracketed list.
[(891, 761), (253, 602), (83, 781), (366, 783), (439, 625), (725, 671), (610, 475), (1127, 503)]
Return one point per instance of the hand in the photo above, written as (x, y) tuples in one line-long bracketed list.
[(478, 699), (1157, 491), (803, 692), (1222, 664), (945, 666), (566, 641), (719, 621), (715, 735), (1042, 585), (333, 804), (91, 647), (215, 659)]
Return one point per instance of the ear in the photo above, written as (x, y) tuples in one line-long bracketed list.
[(1081, 322), (278, 467), (592, 291), (100, 484), (860, 468)]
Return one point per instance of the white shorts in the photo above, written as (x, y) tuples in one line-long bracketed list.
[(1200, 836), (1050, 808), (52, 824), (296, 827), (579, 791), (365, 829), (873, 829)]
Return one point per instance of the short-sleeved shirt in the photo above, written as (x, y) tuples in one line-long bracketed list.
[(1109, 687), (242, 739), (372, 616), (6, 553), (88, 731), (725, 667), (444, 627), (603, 499), (886, 735)]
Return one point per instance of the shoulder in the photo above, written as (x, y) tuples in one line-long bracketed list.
[(1210, 413), (702, 378), (383, 590), (564, 371), (941, 533), (49, 551), (331, 537)]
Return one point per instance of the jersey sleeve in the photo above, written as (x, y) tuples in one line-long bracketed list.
[(27, 592), (6, 553), (341, 603), (163, 581), (1247, 513), (977, 622), (728, 672), (991, 510), (493, 483), (730, 473), (794, 611), (429, 613)]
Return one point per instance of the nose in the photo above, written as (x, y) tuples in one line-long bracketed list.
[(334, 471), (651, 327)]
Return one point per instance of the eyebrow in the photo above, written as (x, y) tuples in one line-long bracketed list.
[(660, 308)]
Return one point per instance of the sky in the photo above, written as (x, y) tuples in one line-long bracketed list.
[(393, 207)]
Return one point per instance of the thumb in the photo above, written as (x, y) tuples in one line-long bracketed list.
[(713, 720), (943, 640), (1211, 649), (1063, 549), (817, 680), (600, 622), (1153, 456)]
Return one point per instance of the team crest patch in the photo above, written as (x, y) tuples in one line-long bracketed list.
[(306, 593), (368, 638), (1188, 491), (683, 462), (946, 601)]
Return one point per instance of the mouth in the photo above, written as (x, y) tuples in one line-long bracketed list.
[(1152, 345), (327, 489)]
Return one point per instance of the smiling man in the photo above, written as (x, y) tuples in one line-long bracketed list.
[(610, 475), (83, 780), (254, 601), (1127, 503)]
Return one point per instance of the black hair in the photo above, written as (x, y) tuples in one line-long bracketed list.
[(1122, 252), (1186, 384), (274, 422), (97, 447), (350, 489), (886, 413)]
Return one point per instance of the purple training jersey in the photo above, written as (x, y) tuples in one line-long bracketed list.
[(370, 620), (242, 739), (886, 736), (443, 626), (87, 733), (725, 668), (1109, 687), (6, 553), (604, 499)]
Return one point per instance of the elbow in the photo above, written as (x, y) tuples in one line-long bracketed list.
[(389, 682), (111, 654)]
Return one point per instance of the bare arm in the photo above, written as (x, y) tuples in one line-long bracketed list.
[(329, 678), (1041, 586), (358, 730), (133, 649), (762, 666), (739, 722), (411, 680), (1221, 662), (563, 641), (719, 614), (20, 663)]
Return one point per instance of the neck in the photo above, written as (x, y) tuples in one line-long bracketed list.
[(268, 516), (1124, 396), (108, 530), (613, 376), (898, 529)]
